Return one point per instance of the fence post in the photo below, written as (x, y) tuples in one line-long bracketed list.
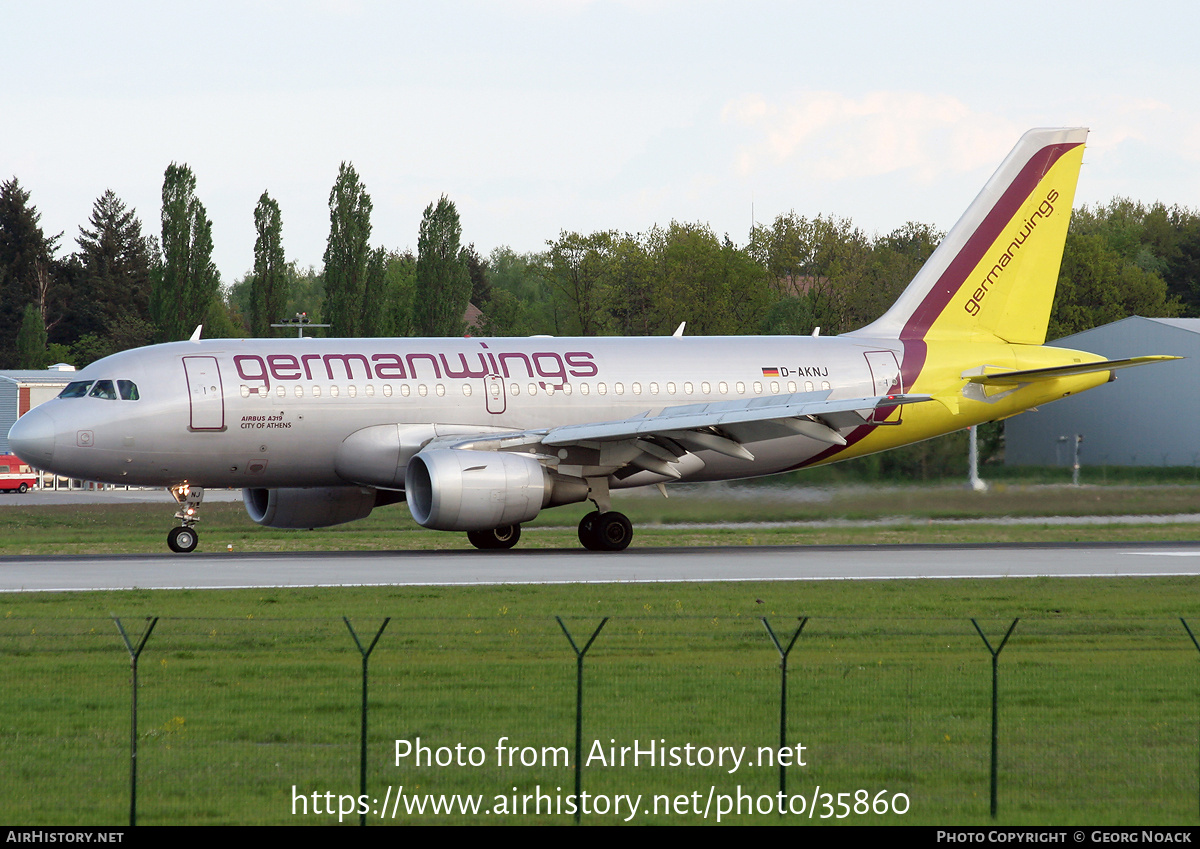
[(783, 659), (579, 706), (1197, 645), (362, 748), (995, 689), (134, 654)]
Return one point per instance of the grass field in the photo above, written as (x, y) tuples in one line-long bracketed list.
[(809, 512), (245, 694)]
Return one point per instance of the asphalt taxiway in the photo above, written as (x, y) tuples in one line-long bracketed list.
[(566, 566)]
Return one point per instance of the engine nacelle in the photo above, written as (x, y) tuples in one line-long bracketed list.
[(449, 489), (317, 507)]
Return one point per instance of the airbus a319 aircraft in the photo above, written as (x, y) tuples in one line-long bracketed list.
[(480, 435)]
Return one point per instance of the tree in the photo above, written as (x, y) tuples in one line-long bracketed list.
[(111, 275), (823, 260), (346, 253), (31, 340), (187, 281), (28, 271), (269, 289), (377, 320), (521, 300), (443, 282), (579, 270), (632, 288), (1097, 285), (478, 271), (716, 288)]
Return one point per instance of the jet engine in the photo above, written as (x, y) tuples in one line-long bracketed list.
[(450, 489), (315, 507)]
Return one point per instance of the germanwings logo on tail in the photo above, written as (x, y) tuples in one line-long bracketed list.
[(1044, 211)]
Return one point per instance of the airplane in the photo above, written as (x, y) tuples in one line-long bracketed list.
[(482, 434)]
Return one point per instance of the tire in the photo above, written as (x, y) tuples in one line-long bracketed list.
[(23, 488), (587, 531), (182, 540), (495, 538), (613, 532)]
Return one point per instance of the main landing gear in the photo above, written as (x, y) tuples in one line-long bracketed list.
[(183, 539), (495, 538), (610, 531)]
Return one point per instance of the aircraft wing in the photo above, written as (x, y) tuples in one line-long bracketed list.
[(780, 409), (1013, 378), (655, 442)]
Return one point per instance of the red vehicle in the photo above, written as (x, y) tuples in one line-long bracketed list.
[(15, 474)]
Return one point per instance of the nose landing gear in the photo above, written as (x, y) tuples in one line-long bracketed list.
[(183, 539)]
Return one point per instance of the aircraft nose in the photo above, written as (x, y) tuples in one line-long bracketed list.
[(32, 438)]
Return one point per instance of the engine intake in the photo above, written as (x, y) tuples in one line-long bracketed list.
[(318, 507), (449, 489)]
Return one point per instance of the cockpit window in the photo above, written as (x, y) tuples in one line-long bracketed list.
[(76, 390), (129, 390), (104, 389)]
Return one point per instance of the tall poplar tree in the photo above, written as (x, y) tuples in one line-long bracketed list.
[(187, 280), (443, 283), (269, 289), (346, 253)]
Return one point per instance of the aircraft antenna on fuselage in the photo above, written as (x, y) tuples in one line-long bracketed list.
[(196, 333)]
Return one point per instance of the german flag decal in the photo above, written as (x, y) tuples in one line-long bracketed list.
[(770, 372)]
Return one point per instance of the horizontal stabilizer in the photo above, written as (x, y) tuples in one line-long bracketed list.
[(1013, 378)]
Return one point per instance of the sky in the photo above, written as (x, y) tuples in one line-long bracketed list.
[(536, 117)]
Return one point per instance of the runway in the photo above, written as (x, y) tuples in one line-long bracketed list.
[(567, 566)]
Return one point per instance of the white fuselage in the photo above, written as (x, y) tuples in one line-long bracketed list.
[(273, 413)]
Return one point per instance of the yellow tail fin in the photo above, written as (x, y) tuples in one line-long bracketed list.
[(993, 276)]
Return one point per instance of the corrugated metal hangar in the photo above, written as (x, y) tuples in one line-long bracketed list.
[(1148, 416), (20, 391)]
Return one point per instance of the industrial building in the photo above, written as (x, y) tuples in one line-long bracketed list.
[(21, 391), (1148, 416)]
